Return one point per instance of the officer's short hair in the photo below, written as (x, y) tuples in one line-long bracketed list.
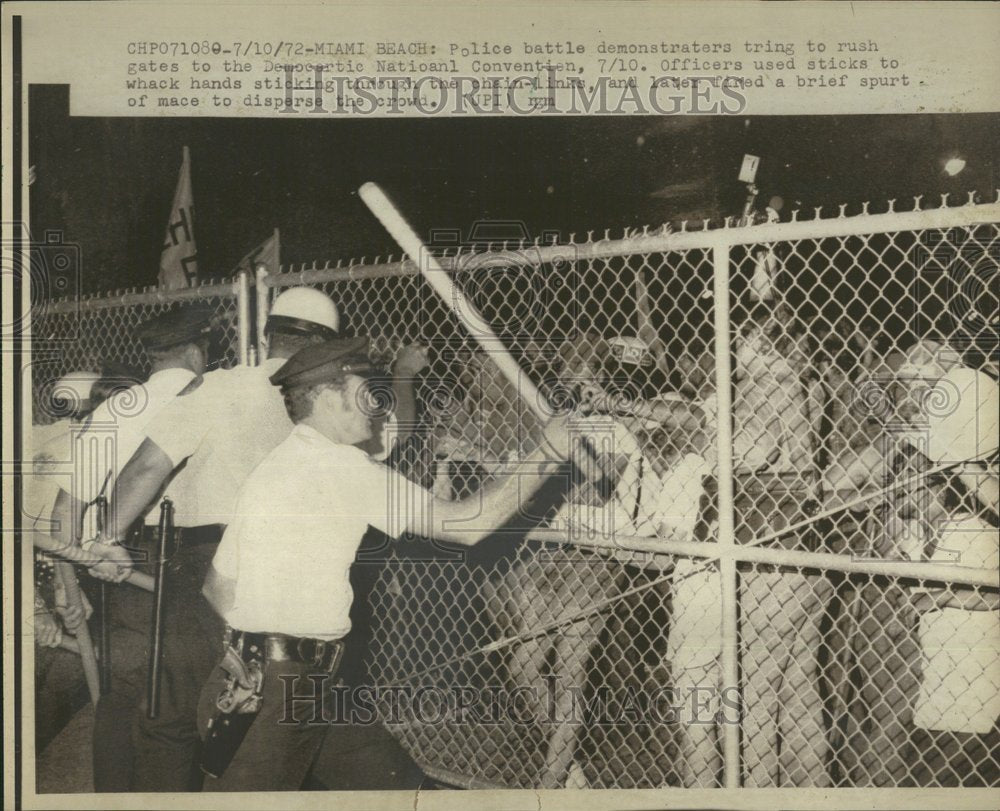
[(161, 353), (289, 343), (299, 399)]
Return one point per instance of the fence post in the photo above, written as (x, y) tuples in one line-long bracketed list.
[(263, 307), (730, 685), (243, 314)]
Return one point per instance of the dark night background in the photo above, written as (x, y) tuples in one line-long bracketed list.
[(108, 183)]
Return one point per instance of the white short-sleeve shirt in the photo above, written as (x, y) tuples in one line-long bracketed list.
[(113, 433), (678, 503), (224, 428), (117, 427), (300, 518)]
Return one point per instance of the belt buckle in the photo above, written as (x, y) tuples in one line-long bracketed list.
[(318, 651)]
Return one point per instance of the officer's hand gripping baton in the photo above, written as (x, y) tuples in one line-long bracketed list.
[(66, 575)]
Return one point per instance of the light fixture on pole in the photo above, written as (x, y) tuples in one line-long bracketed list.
[(954, 165)]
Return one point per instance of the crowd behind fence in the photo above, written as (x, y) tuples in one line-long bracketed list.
[(775, 585)]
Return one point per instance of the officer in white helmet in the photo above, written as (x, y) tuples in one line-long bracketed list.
[(303, 312), (219, 431)]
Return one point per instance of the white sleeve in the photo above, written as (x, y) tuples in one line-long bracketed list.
[(387, 499), (226, 560), (679, 501), (181, 426)]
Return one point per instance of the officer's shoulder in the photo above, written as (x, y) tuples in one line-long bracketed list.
[(122, 402), (217, 378)]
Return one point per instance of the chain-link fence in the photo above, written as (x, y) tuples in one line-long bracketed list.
[(774, 580), (98, 334), (778, 582)]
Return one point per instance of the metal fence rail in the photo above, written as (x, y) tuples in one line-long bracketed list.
[(713, 614)]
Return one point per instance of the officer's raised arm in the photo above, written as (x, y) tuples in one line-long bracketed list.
[(470, 520), (137, 486), (326, 393)]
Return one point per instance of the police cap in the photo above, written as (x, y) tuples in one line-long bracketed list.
[(186, 325), (325, 362)]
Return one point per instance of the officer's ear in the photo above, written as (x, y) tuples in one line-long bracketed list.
[(197, 357), (328, 399)]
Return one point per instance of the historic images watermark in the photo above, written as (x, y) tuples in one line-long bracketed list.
[(310, 88), (50, 268), (317, 699)]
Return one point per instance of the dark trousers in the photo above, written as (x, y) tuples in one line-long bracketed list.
[(112, 741), (284, 739), (129, 620), (60, 691), (166, 749)]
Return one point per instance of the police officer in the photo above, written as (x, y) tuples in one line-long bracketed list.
[(280, 578), (176, 343), (222, 430)]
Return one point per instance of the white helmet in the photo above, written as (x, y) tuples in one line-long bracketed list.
[(73, 391), (304, 311)]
